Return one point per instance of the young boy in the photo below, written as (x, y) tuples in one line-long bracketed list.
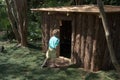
[(53, 43)]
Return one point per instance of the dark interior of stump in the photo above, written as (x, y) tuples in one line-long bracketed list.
[(65, 38)]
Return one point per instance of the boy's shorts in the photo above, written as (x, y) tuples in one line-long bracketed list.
[(51, 53)]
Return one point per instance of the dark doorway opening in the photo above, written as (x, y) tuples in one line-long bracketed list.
[(65, 38)]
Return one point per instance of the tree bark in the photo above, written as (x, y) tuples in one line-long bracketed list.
[(21, 10), (108, 36), (12, 20), (17, 11)]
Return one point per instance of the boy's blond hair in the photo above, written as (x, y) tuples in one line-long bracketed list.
[(55, 32)]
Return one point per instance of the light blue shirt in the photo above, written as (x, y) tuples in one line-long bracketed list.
[(54, 42)]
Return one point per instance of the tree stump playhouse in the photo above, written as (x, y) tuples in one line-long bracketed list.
[(82, 37)]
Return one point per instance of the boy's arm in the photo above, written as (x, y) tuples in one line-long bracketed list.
[(57, 43)]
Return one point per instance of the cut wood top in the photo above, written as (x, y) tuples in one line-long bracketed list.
[(79, 8)]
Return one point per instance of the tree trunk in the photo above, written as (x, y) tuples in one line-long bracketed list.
[(108, 36), (21, 10), (12, 20), (17, 11)]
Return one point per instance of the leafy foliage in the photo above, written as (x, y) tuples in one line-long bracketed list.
[(53, 3), (34, 31), (112, 2), (4, 23), (107, 2)]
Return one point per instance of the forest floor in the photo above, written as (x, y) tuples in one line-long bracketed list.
[(22, 63)]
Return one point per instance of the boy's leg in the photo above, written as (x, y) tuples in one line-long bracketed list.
[(46, 59), (51, 55), (52, 62), (47, 53)]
